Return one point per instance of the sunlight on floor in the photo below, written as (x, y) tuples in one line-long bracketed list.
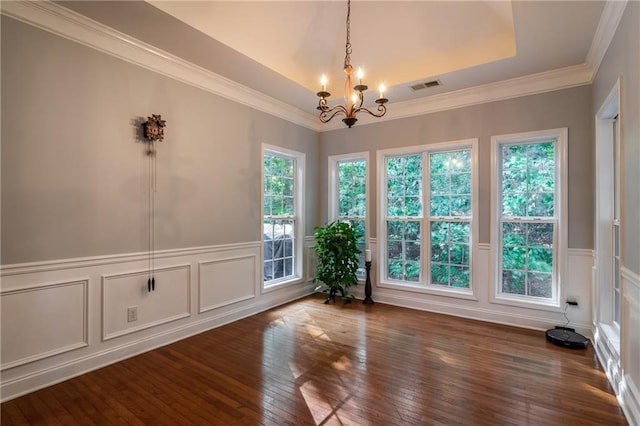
[(296, 371), (320, 409), (610, 398), (343, 364)]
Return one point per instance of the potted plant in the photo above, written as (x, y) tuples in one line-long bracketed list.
[(335, 247)]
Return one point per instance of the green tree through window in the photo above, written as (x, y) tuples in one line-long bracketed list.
[(404, 214), (352, 202), (450, 218), (528, 218)]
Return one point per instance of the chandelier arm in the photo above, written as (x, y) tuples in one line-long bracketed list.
[(382, 109), (328, 114)]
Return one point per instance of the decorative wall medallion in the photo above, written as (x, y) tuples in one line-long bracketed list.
[(154, 128)]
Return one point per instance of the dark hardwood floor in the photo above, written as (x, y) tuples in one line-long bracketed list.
[(310, 363)]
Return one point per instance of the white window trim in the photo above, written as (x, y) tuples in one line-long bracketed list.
[(422, 286), (332, 200), (603, 310), (561, 136), (299, 204)]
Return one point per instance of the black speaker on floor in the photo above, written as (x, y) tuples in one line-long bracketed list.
[(567, 337)]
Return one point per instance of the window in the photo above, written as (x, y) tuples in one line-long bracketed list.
[(282, 172), (615, 223), (450, 218), (428, 195), (403, 217), (529, 211), (609, 232), (348, 196)]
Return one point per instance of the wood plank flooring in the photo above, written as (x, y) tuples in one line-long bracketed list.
[(307, 363)]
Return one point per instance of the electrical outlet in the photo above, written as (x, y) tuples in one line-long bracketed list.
[(573, 300), (132, 314)]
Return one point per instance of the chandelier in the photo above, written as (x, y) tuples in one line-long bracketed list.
[(354, 95)]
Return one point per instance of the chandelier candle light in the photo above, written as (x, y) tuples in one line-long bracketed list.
[(354, 95)]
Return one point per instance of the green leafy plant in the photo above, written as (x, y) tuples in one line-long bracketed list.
[(337, 251)]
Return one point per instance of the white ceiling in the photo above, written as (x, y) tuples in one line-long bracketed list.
[(399, 43), (479, 50), (302, 40)]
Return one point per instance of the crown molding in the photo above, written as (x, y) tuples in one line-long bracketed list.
[(71, 25), (609, 20), (563, 78), (63, 22)]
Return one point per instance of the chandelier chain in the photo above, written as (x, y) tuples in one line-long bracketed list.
[(347, 57)]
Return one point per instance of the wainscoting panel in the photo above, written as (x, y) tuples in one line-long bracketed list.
[(311, 260), (52, 319), (168, 302), (630, 326), (52, 332), (226, 281)]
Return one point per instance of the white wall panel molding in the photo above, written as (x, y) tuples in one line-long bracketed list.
[(227, 281), (24, 382), (60, 325), (63, 22), (311, 260), (86, 262), (630, 346), (615, 348), (96, 308), (630, 400), (169, 301)]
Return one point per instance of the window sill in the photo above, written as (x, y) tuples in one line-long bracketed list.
[(521, 302), (430, 289), (277, 285)]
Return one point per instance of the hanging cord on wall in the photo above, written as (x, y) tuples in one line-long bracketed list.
[(151, 282), (564, 313), (154, 132)]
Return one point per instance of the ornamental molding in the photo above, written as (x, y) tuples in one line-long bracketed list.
[(63, 22)]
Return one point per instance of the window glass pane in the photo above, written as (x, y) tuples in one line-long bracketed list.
[(278, 186), (540, 285), (513, 282), (279, 249), (352, 188), (450, 183), (450, 254), (403, 250), (527, 258), (528, 180), (404, 186)]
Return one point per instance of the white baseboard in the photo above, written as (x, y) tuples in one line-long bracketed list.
[(472, 312)]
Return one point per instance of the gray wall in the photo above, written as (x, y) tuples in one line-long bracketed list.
[(563, 108), (75, 173), (622, 60)]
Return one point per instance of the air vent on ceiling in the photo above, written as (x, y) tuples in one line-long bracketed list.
[(426, 85)]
